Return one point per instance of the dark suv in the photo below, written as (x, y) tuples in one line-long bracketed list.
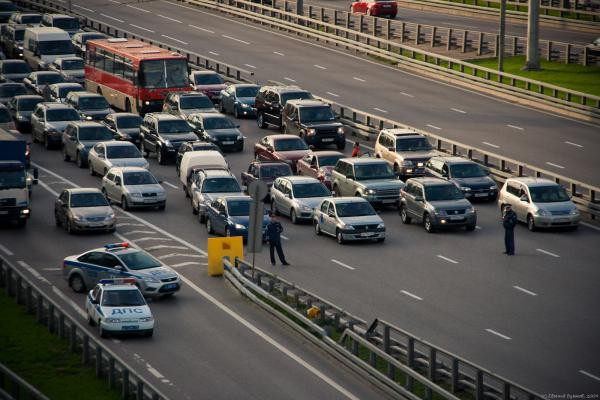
[(270, 101), (315, 122), (163, 134)]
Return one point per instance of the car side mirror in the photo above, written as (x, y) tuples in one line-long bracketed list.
[(287, 196), (350, 176), (36, 174), (160, 181), (391, 149), (117, 183), (222, 213), (64, 205), (237, 126), (419, 198), (524, 199), (118, 267), (445, 174), (94, 301)]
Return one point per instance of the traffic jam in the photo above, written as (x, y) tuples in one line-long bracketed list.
[(108, 105)]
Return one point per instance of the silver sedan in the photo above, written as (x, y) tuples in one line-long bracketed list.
[(133, 187), (106, 155), (297, 196)]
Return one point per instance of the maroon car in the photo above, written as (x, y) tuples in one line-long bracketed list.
[(319, 164), (266, 171), (284, 148), (208, 82)]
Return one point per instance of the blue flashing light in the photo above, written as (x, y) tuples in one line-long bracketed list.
[(122, 245)]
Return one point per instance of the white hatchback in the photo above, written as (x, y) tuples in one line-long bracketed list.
[(105, 155)]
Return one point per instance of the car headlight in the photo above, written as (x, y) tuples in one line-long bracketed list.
[(465, 189), (244, 105), (21, 117), (240, 137), (349, 227), (147, 103), (381, 226), (370, 191), (149, 279), (340, 130), (470, 210), (168, 143), (574, 212), (146, 165), (77, 218), (311, 131), (407, 163), (112, 320), (20, 47), (440, 212), (239, 226), (493, 187), (146, 319), (109, 216), (304, 207), (136, 195), (52, 130), (543, 212)]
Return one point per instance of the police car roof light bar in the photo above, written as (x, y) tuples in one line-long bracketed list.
[(117, 281), (116, 245)]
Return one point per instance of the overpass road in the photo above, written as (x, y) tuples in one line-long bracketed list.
[(530, 318), (559, 144)]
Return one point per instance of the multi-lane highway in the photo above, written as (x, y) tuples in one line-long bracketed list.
[(548, 141)]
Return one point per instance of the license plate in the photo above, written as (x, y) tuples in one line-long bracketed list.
[(3, 212), (389, 201), (387, 6), (149, 201), (130, 327), (455, 218), (170, 286), (228, 142), (561, 220), (366, 234), (327, 140), (481, 195)]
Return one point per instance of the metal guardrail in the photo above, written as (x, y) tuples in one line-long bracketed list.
[(13, 387), (107, 364), (409, 364)]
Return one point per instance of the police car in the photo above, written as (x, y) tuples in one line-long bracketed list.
[(117, 306), (120, 260)]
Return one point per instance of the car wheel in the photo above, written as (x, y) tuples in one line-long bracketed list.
[(201, 218), (470, 228), (143, 149), (66, 156), (101, 331), (294, 217), (428, 224), (317, 229), (222, 108), (531, 223), (69, 227), (105, 194), (105, 172), (339, 237), (160, 157), (275, 209), (90, 321), (404, 215), (76, 283), (336, 191), (79, 161), (57, 220), (127, 106), (209, 227), (46, 142), (149, 333), (34, 137), (381, 240), (124, 203), (341, 145), (162, 207), (260, 121), (92, 172), (236, 112)]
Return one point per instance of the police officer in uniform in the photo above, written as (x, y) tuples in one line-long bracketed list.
[(274, 230), (509, 221)]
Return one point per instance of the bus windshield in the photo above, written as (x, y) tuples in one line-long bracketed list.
[(156, 74)]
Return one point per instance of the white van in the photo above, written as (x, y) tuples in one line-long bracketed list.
[(41, 46), (197, 160)]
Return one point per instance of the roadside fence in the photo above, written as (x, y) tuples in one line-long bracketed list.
[(13, 387)]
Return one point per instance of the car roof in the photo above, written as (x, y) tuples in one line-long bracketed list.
[(307, 103), (401, 132), (111, 287), (69, 58), (430, 181), (532, 182), (327, 153), (299, 179), (165, 116), (237, 197), (128, 169), (364, 160), (83, 124), (124, 114), (283, 89), (66, 84), (217, 172), (347, 199), (55, 105), (204, 73), (58, 15), (188, 94), (28, 96), (83, 190), (244, 85), (84, 93), (262, 163), (282, 136), (453, 160), (118, 143), (12, 61), (12, 84), (45, 73)]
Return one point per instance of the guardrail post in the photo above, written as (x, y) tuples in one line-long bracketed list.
[(585, 56), (73, 338), (454, 149), (29, 299), (125, 384), (18, 285), (449, 40), (2, 280), (85, 350), (355, 347), (111, 372), (433, 34), (418, 34), (9, 283), (39, 310), (568, 53), (479, 385), (464, 41), (549, 50), (51, 317), (139, 391), (402, 33), (455, 376), (496, 45), (98, 361), (515, 46), (506, 391), (61, 325), (480, 44), (391, 371), (361, 19), (388, 33)]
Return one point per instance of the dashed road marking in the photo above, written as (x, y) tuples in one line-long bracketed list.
[(289, 79), (52, 269), (164, 246), (201, 29), (341, 264), (529, 292), (83, 8), (169, 18), (589, 375), (154, 371), (574, 144), (491, 145), (319, 66), (33, 272), (111, 17), (174, 39), (115, 341), (406, 94), (6, 251), (169, 184), (548, 253), (142, 28), (185, 264), (555, 165), (250, 66), (447, 259), (64, 297), (115, 1), (409, 294), (136, 232), (333, 94), (515, 127), (279, 54), (137, 8), (380, 110), (235, 39), (493, 332), (285, 237), (458, 110), (434, 127), (160, 239), (358, 79), (213, 53), (121, 224), (171, 255)]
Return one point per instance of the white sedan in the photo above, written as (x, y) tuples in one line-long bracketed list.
[(105, 155)]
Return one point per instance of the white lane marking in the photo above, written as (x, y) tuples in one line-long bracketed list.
[(270, 340), (134, 232), (165, 380), (319, 66), (115, 341), (493, 332), (515, 127), (170, 185), (589, 375), (284, 237), (341, 264), (555, 165), (137, 8), (548, 253), (171, 255), (235, 39), (250, 66), (434, 127), (380, 110), (213, 53), (83, 8), (164, 246), (33, 272), (529, 292), (201, 29), (174, 39), (406, 94), (358, 79), (55, 182), (574, 144), (115, 1), (67, 300), (279, 54), (590, 226), (409, 294), (478, 227), (276, 82), (288, 79), (491, 145), (52, 269), (128, 224), (6, 251), (333, 94), (142, 28), (184, 264), (154, 371), (447, 259), (458, 110), (113, 18), (145, 239), (48, 188), (169, 18)]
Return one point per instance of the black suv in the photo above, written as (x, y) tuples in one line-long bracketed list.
[(12, 40), (163, 134), (270, 101), (315, 122)]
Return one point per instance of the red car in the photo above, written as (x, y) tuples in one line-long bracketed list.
[(208, 82), (375, 8), (319, 164), (286, 148)]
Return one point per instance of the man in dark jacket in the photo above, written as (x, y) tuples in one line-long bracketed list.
[(274, 229), (509, 221)]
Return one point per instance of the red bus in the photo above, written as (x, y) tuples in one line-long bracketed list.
[(132, 75)]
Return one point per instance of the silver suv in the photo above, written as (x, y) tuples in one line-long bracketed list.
[(436, 203), (369, 178), (49, 120), (406, 150), (540, 203), (133, 187), (209, 184), (297, 196)]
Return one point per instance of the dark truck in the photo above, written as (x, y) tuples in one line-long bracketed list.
[(15, 179)]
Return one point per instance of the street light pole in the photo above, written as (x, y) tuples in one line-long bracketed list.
[(533, 36), (502, 34)]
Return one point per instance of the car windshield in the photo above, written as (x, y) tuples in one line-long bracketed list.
[(128, 122), (443, 193), (64, 91), (275, 171), (65, 114), (66, 23), (208, 79), (4, 116), (247, 91), (138, 260), (380, 170), (354, 209), (295, 96), (329, 161), (88, 200), (220, 185), (238, 208), (191, 102), (49, 79), (55, 47), (122, 152), (12, 90), (548, 194), (321, 113), (31, 19), (164, 74), (8, 7), (173, 126), (91, 36), (290, 144), (139, 178), (123, 298), (204, 146), (12, 179), (15, 68), (69, 65), (467, 171), (92, 103), (19, 35), (29, 104), (305, 190), (218, 123), (96, 133), (413, 144)]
